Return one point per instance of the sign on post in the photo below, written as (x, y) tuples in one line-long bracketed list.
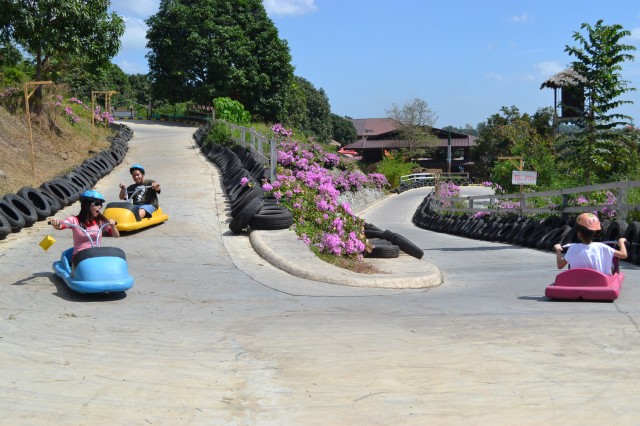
[(523, 178)]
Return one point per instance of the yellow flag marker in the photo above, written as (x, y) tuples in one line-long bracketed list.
[(47, 242)]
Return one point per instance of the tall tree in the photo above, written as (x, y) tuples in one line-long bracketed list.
[(343, 129), (599, 59), (205, 49), (56, 32), (414, 122)]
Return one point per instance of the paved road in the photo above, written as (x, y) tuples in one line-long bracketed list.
[(213, 334)]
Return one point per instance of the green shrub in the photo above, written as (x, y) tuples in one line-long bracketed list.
[(219, 134), (393, 168), (232, 111)]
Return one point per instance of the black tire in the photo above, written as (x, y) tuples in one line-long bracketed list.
[(70, 190), (378, 241), (13, 215), (54, 203), (632, 234), (25, 208), (526, 232), (533, 239), (242, 201), (384, 251), (80, 181), (242, 219), (88, 173), (272, 219), (37, 200), (406, 246), (5, 227), (615, 230), (56, 190), (553, 237)]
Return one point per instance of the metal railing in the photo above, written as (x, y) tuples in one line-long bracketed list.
[(262, 148), (491, 204)]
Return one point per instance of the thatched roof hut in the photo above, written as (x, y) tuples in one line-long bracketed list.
[(566, 78)]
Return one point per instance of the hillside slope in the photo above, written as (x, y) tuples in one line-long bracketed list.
[(58, 147)]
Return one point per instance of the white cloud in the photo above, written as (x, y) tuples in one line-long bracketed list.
[(548, 68), (519, 18), (289, 7), (134, 35), (635, 34), (493, 76)]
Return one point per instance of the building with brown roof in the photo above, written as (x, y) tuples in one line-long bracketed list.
[(377, 135)]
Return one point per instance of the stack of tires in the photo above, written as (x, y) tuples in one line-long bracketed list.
[(29, 205), (388, 244), (242, 177), (525, 232)]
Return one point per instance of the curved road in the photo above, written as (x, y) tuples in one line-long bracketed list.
[(212, 334)]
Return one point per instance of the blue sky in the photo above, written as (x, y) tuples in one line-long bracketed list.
[(466, 58)]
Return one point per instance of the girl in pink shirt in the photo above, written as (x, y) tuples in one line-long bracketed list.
[(90, 219)]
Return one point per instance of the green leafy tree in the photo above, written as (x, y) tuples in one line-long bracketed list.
[(599, 59), (318, 110), (140, 88), (205, 49), (57, 32), (510, 133), (414, 122), (294, 114), (343, 129)]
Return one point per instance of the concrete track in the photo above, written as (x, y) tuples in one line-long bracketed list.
[(213, 334)]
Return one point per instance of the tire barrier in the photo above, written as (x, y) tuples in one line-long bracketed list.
[(29, 204), (632, 234), (526, 232), (37, 200), (54, 203), (374, 233), (249, 207), (5, 227), (12, 215), (24, 207)]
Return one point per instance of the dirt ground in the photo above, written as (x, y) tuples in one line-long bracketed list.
[(58, 147)]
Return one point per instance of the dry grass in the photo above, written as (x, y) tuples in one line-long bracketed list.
[(58, 146)]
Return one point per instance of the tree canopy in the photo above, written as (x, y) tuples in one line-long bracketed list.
[(205, 49), (56, 33), (599, 59), (414, 122), (343, 130)]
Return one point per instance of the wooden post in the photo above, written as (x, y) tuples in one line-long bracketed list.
[(27, 95)]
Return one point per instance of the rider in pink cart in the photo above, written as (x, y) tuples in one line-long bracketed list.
[(589, 254)]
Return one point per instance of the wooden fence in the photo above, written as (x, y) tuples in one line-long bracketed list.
[(519, 203)]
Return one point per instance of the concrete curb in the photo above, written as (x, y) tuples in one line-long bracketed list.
[(402, 272)]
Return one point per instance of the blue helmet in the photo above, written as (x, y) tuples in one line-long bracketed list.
[(136, 167), (91, 195)]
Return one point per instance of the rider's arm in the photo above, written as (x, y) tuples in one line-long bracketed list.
[(123, 192), (156, 186), (560, 261), (621, 253), (114, 231)]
